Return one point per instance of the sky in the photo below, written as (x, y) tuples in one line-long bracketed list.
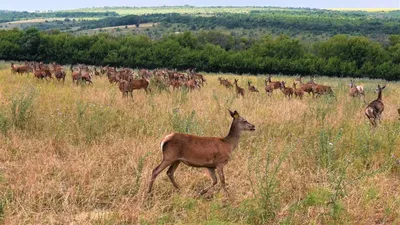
[(31, 5)]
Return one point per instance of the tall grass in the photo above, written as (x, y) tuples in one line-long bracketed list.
[(84, 155)]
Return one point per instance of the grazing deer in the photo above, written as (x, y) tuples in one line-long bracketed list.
[(210, 152), (268, 88), (288, 92), (251, 87), (375, 108), (298, 92), (239, 90)]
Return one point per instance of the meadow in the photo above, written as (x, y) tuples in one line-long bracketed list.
[(84, 155)]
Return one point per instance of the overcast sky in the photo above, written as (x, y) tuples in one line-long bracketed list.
[(31, 5)]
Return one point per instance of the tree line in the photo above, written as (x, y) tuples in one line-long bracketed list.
[(8, 16), (339, 56)]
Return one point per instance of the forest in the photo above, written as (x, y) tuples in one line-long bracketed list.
[(210, 51)]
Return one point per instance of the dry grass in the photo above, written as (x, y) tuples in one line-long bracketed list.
[(83, 155)]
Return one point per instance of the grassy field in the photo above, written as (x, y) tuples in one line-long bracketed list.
[(21, 24), (120, 30), (84, 155), (178, 9)]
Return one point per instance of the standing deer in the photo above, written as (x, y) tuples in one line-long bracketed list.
[(306, 87), (268, 88), (239, 90), (251, 87), (375, 108), (288, 92), (274, 84), (318, 90), (298, 92), (356, 91), (210, 152)]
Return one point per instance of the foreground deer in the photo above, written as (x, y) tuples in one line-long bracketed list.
[(239, 90), (375, 108), (210, 152)]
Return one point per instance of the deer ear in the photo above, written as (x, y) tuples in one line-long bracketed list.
[(235, 115), (383, 87), (230, 112)]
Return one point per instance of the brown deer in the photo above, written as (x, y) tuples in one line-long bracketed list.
[(126, 87), (210, 152), (224, 82), (274, 84), (141, 84), (239, 90), (268, 88), (287, 91), (19, 69), (299, 93), (318, 90), (375, 108), (356, 91), (306, 87), (38, 73), (251, 87)]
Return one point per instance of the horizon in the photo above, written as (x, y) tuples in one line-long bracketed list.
[(46, 5)]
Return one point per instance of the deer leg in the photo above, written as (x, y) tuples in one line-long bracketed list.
[(171, 171), (222, 178), (164, 164), (213, 176)]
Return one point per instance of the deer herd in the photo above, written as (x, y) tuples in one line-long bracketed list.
[(208, 152)]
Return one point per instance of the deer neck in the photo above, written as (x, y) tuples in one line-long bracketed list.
[(233, 136), (379, 95)]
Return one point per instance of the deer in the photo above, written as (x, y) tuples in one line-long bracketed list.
[(212, 153), (288, 92), (274, 84), (356, 91), (251, 87), (306, 87), (239, 90), (19, 69), (224, 82), (298, 93), (318, 90), (141, 84), (268, 88), (38, 73), (375, 108), (126, 87)]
